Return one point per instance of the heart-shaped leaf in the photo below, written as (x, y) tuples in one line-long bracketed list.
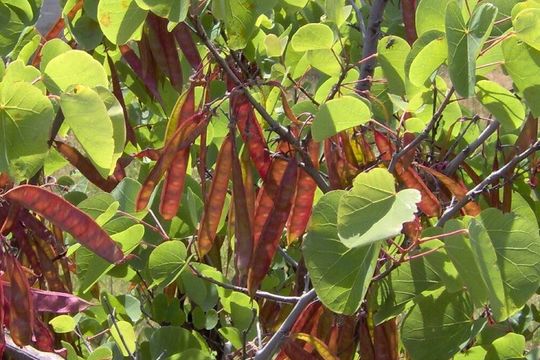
[(373, 210)]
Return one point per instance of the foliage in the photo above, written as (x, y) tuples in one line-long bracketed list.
[(203, 179)]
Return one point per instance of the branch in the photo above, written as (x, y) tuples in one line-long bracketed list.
[(272, 123), (424, 134), (478, 189), (27, 352), (258, 293), (359, 18), (371, 40), (269, 349), (456, 162)]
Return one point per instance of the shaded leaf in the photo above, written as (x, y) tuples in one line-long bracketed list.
[(465, 41)]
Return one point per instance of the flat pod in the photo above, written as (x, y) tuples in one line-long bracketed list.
[(216, 199), (67, 217)]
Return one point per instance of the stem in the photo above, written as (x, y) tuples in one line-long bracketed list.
[(269, 349), (478, 189), (408, 9), (371, 40), (258, 293), (424, 134), (456, 162), (359, 18)]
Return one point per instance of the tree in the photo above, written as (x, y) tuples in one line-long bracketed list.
[(249, 179)]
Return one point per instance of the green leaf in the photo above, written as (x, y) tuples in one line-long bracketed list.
[(239, 17), (199, 291), (274, 45), (175, 11), (116, 114), (74, 67), (121, 21), (459, 250), (63, 324), (312, 37), (372, 211), (439, 318), (12, 23), (506, 248), (430, 16), (93, 268), (170, 340), (126, 193), (521, 62), (124, 336), (527, 27), (339, 114), (392, 53), (396, 291), (505, 107), (231, 334), (325, 61), (101, 353), (465, 42), (510, 346), (87, 116), (52, 49), (17, 71), (428, 53), (26, 117), (167, 261), (340, 275), (474, 353)]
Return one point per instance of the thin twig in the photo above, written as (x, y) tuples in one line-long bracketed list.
[(478, 189), (269, 349), (424, 134), (453, 165), (112, 316), (371, 40), (288, 259), (359, 18), (258, 293)]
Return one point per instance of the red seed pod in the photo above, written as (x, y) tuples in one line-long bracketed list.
[(251, 132), (21, 310), (85, 166), (216, 198), (69, 218), (270, 235), (182, 34), (303, 201)]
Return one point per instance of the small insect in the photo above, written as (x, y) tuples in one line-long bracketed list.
[(390, 43)]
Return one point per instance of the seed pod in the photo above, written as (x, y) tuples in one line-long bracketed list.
[(268, 242), (21, 310), (243, 215), (251, 133), (69, 218), (303, 200), (216, 198)]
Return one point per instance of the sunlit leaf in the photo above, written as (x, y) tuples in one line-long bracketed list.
[(339, 114), (340, 275), (373, 210)]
